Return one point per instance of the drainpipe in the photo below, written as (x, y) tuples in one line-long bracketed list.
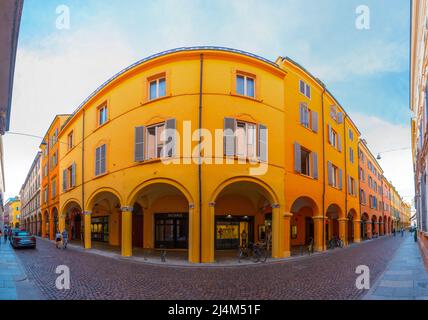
[(362, 226), (346, 175), (200, 155), (83, 181), (323, 168)]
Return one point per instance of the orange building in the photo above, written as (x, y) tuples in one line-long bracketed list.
[(371, 176), (386, 205), (50, 177)]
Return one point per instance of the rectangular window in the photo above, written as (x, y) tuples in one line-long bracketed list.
[(351, 135), (70, 141), (334, 175), (102, 115), (154, 141), (100, 160), (305, 89), (304, 115), (157, 88), (333, 138), (305, 162), (351, 155), (245, 85), (53, 188)]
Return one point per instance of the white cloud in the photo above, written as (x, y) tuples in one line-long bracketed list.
[(385, 136)]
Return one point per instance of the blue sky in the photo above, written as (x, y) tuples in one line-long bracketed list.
[(366, 70)]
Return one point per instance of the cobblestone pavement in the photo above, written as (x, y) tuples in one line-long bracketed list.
[(323, 276)]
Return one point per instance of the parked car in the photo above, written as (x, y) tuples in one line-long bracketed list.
[(11, 233), (23, 239)]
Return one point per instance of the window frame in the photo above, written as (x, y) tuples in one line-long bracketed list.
[(104, 106), (156, 126), (156, 79), (245, 77), (70, 140)]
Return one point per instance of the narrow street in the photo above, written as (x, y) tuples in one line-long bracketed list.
[(329, 275)]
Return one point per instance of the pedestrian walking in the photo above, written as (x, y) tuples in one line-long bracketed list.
[(64, 239), (393, 231), (57, 239), (5, 234), (402, 232)]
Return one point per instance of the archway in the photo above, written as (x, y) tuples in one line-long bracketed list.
[(160, 218), (39, 224), (365, 226), (72, 213), (105, 218), (352, 215), (55, 221), (332, 223), (242, 216), (302, 231), (374, 226), (380, 226), (47, 225)]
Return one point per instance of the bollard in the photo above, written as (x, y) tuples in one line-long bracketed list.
[(301, 250), (163, 255)]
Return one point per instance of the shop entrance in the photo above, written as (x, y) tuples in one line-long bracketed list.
[(171, 230), (99, 229), (233, 232)]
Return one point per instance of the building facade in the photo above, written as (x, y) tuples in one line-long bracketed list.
[(13, 211), (279, 160), (419, 107), (50, 150), (30, 198)]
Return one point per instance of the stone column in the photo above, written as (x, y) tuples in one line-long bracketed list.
[(287, 234), (342, 230), (193, 255), (318, 233), (205, 233), (357, 230), (126, 241), (87, 225), (51, 226)]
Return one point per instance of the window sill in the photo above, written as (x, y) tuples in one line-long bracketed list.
[(234, 94), (247, 160), (156, 160), (148, 101), (100, 175), (307, 177), (100, 126)]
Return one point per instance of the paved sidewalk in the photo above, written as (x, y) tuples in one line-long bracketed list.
[(14, 284), (405, 277)]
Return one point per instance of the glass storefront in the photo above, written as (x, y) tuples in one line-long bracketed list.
[(231, 232), (171, 230), (99, 229)]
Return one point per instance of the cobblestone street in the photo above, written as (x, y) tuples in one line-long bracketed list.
[(323, 276)]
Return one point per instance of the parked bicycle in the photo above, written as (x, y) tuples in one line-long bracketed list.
[(335, 242)]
